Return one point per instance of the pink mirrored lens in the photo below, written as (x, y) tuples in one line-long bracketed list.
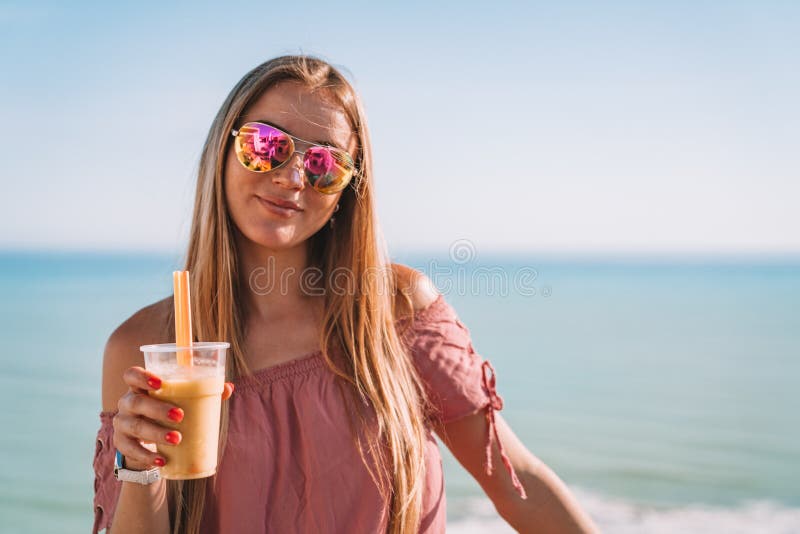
[(328, 169), (318, 161), (261, 147)]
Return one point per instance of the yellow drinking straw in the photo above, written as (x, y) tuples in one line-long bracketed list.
[(183, 316)]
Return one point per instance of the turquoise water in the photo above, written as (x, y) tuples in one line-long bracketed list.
[(650, 388)]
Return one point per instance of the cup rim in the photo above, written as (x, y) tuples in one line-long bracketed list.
[(172, 347)]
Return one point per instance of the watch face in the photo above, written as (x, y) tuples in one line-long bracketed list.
[(119, 462)]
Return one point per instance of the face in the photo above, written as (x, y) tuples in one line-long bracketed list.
[(252, 196)]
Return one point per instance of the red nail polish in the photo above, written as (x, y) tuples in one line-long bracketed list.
[(159, 461), (173, 437), (154, 382), (176, 414)]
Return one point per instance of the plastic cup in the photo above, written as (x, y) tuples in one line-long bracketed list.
[(197, 389)]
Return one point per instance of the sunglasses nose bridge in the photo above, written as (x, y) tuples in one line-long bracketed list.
[(297, 159)]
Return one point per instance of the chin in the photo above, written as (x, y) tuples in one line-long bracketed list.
[(277, 238)]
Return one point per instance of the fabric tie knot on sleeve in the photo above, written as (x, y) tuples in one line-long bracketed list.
[(495, 404)]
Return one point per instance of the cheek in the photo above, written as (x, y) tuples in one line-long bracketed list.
[(320, 207), (235, 185), (318, 204)]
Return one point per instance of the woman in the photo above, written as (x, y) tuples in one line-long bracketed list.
[(343, 363)]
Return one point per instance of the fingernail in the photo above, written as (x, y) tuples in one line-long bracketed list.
[(159, 461), (233, 387), (154, 382), (176, 414), (173, 437)]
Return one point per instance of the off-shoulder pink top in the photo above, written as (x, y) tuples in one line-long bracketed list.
[(291, 464)]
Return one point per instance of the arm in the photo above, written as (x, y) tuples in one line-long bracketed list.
[(140, 418), (549, 507), (139, 508), (142, 509)]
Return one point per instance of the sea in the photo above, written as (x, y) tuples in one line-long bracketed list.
[(664, 391)]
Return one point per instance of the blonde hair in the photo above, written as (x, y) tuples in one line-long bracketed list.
[(360, 322)]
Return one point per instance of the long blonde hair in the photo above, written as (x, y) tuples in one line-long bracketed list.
[(361, 322)]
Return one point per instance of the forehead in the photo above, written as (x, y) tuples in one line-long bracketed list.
[(313, 116)]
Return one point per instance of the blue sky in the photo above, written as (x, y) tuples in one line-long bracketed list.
[(607, 127)]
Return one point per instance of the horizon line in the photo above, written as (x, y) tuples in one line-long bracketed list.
[(614, 255)]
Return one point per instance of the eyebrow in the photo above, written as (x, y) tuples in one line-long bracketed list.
[(317, 142)]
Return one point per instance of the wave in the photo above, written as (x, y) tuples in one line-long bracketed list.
[(618, 516)]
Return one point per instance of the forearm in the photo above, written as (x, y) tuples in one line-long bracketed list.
[(142, 509), (550, 506)]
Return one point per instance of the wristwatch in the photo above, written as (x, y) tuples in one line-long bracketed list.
[(145, 477)]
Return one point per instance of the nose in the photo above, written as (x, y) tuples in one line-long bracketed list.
[(291, 175)]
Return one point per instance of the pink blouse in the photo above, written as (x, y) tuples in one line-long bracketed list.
[(291, 464)]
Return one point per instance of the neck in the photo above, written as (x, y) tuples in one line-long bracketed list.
[(271, 279)]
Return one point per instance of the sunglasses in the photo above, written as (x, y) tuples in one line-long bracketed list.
[(263, 148)]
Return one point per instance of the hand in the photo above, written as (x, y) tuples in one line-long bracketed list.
[(139, 416), (228, 391)]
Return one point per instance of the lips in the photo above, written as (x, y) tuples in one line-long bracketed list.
[(284, 209), (281, 203)]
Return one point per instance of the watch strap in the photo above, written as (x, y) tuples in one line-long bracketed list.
[(148, 476)]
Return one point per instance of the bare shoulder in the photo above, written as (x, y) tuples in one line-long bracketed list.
[(416, 285), (148, 325)]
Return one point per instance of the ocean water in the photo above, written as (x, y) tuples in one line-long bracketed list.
[(664, 393)]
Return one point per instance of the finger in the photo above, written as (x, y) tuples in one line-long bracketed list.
[(143, 429), (136, 456), (228, 390), (137, 377), (154, 409)]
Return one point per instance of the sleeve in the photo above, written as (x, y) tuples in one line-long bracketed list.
[(457, 380), (106, 487)]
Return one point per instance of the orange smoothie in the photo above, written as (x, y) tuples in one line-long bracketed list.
[(200, 398)]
